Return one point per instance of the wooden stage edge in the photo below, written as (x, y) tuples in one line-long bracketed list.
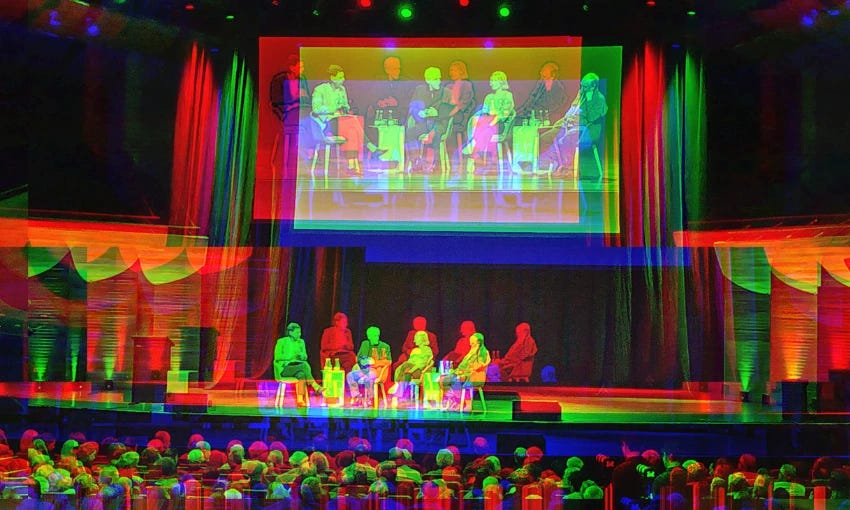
[(694, 404)]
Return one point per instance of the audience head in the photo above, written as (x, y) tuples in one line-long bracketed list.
[(258, 450), (787, 472), (405, 443), (480, 446), (320, 460), (280, 447), (747, 463), (163, 436), (444, 458)]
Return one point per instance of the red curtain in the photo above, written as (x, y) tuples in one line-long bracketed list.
[(195, 129)]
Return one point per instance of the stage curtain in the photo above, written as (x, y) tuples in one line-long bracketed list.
[(270, 283), (663, 175), (195, 127), (235, 161)]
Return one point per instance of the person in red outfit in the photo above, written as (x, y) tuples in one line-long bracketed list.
[(337, 343)]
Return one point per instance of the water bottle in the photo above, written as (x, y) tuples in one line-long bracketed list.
[(327, 363), (379, 117), (336, 364)]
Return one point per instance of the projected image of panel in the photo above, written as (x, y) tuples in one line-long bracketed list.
[(438, 135)]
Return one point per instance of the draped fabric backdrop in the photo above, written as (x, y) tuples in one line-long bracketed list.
[(195, 127)]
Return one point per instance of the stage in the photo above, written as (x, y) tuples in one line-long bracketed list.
[(569, 420)]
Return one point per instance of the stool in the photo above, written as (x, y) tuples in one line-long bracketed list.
[(472, 396), (280, 396)]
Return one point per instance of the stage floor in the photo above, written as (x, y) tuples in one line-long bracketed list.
[(567, 420), (504, 403)]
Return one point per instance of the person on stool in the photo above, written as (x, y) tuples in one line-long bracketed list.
[(520, 354), (421, 357), (338, 344), (290, 360), (363, 374)]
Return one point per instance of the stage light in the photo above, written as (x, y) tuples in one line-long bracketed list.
[(463, 3), (405, 12), (230, 17), (504, 11), (364, 4), (650, 3), (692, 12), (189, 6), (108, 385), (745, 396)]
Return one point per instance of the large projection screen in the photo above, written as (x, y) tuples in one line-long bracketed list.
[(522, 137)]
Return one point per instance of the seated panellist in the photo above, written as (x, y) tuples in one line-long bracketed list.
[(290, 359)]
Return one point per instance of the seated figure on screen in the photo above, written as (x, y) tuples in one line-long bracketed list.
[(462, 94), (392, 91), (421, 359), (314, 130), (419, 324), (337, 344), (290, 359), (547, 99), (467, 329), (471, 371), (331, 99), (493, 118), (519, 359), (579, 129), (427, 121), (289, 93)]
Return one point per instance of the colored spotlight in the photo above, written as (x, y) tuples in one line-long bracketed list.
[(692, 13), (463, 3), (405, 12), (364, 4), (230, 17), (189, 6), (504, 11)]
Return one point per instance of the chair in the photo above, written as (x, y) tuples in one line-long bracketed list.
[(500, 139), (522, 372), (379, 387), (432, 390), (332, 143), (472, 388)]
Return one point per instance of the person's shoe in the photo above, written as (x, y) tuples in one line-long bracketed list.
[(375, 150)]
